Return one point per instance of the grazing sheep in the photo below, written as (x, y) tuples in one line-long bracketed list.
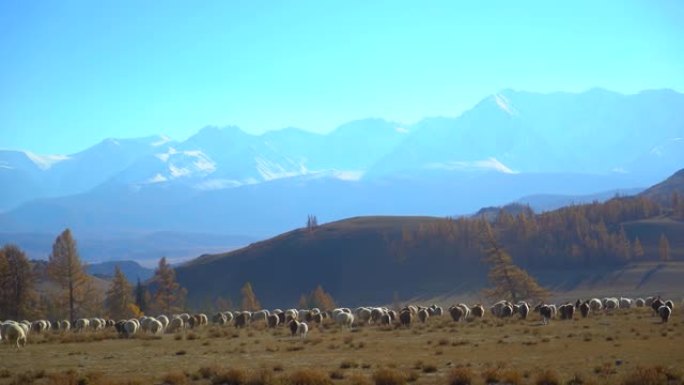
[(260, 315), (626, 303), (466, 310), (405, 318), (64, 325), (523, 308), (363, 314), (229, 317), (119, 327), (219, 319), (82, 324), (377, 313), (272, 320), (669, 303), (639, 302), (241, 320), (566, 311), (595, 304), (656, 304), (130, 327), (155, 327), (302, 329), (294, 326), (664, 312), (457, 313), (385, 319), (14, 334), (344, 319), (545, 311), (318, 318), (176, 324), (164, 320), (496, 309), (611, 303), (584, 309), (506, 311), (423, 315), (478, 311)]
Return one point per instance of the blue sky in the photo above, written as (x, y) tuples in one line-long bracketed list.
[(75, 72)]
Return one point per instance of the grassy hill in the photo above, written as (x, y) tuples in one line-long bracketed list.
[(366, 260), (353, 259)]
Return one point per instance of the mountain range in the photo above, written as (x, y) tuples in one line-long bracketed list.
[(224, 181)]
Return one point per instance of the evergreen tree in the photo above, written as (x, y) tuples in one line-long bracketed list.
[(119, 296), (65, 268), (249, 299), (16, 283), (170, 296), (509, 281), (664, 248)]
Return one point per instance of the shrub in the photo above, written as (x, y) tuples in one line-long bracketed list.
[(429, 368), (358, 379), (207, 372), (547, 377), (230, 377), (348, 364), (389, 377), (175, 378), (655, 375), (336, 374), (460, 376), (307, 377)]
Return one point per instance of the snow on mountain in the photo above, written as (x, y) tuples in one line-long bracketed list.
[(594, 132), (45, 162)]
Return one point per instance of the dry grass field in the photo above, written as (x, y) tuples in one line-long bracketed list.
[(625, 347)]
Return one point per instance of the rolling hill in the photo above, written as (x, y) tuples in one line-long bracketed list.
[(382, 258)]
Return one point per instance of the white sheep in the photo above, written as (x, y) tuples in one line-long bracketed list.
[(595, 304), (302, 330), (176, 324), (14, 333), (626, 303), (155, 327), (611, 303), (82, 324), (639, 302), (664, 312), (423, 315), (164, 321), (131, 327), (363, 314), (344, 319)]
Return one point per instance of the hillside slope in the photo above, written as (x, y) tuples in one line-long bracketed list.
[(353, 260)]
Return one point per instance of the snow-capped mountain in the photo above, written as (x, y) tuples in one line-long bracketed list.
[(509, 145)]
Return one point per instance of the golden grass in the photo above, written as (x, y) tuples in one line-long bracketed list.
[(627, 347)]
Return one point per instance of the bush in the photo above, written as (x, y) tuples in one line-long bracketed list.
[(336, 374), (547, 377), (175, 378), (460, 376), (429, 368), (307, 377), (358, 379), (655, 375), (207, 372), (389, 377), (230, 377)]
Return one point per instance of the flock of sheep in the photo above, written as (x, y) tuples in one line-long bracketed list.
[(297, 321)]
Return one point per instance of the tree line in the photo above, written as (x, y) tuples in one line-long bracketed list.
[(575, 236), (68, 292)]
